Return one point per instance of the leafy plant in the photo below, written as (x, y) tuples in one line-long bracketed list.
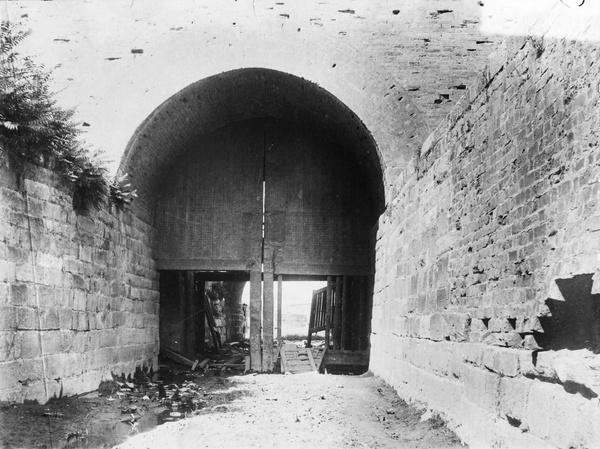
[(33, 129), (121, 192), (87, 172)]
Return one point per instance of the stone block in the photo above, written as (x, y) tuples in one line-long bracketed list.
[(20, 372), (49, 318), (37, 190), (565, 420), (22, 294), (502, 361), (7, 271), (26, 318), (52, 276), (472, 353), (481, 387), (10, 345), (513, 398), (25, 273), (31, 344)]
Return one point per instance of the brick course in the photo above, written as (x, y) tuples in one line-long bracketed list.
[(79, 293), (500, 208)]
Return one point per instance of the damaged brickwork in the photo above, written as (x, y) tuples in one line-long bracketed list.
[(486, 274), (78, 294), (489, 252)]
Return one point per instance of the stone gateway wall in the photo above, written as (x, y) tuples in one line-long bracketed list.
[(78, 295), (487, 280), (486, 303)]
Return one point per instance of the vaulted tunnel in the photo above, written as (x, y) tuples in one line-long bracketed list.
[(261, 172)]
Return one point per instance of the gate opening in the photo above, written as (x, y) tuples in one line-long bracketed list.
[(201, 311), (286, 184)]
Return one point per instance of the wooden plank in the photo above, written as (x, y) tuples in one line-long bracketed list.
[(319, 357), (211, 322), (255, 320), (297, 360), (200, 322), (181, 292), (311, 319), (311, 360), (344, 313), (279, 306), (328, 311), (337, 314), (283, 360), (191, 311), (176, 357), (362, 314), (268, 312), (346, 357)]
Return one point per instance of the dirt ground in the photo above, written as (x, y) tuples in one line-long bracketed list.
[(213, 410), (303, 411)]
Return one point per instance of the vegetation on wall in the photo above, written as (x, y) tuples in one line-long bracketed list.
[(35, 130)]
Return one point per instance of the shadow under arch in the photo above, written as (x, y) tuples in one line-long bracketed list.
[(230, 97)]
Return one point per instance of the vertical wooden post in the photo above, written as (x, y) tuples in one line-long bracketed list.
[(255, 319), (182, 316), (279, 306), (344, 313), (328, 312), (355, 335), (368, 311), (201, 317), (362, 324), (268, 303), (311, 318), (190, 314), (337, 314)]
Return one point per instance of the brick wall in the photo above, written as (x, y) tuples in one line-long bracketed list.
[(78, 295), (489, 250), (375, 56)]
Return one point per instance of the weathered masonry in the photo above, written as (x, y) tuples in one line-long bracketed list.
[(428, 147), (275, 190)]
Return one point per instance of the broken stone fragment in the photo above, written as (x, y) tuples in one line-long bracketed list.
[(580, 367)]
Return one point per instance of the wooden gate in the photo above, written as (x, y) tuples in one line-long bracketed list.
[(343, 311), (271, 199)]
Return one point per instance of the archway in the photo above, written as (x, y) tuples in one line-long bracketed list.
[(261, 172)]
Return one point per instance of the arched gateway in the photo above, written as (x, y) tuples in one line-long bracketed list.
[(263, 175)]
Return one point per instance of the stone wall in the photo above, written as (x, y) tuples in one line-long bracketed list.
[(118, 61), (78, 295), (486, 295)]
